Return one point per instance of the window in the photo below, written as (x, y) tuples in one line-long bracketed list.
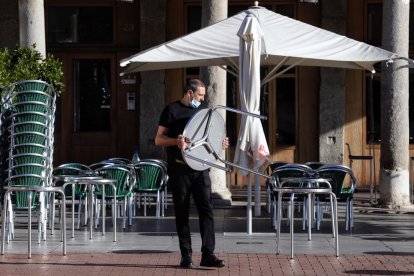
[(373, 108), (92, 94), (286, 10), (80, 25), (374, 23), (285, 111), (232, 98), (193, 18), (411, 31), (411, 106)]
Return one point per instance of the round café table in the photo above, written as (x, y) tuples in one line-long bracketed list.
[(310, 189)]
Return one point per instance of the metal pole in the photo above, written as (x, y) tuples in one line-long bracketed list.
[(73, 208), (257, 203), (29, 227), (292, 222), (5, 222), (249, 204)]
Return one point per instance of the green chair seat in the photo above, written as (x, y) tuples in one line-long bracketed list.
[(28, 159), (27, 148)]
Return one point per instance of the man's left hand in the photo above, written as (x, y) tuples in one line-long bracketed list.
[(225, 143)]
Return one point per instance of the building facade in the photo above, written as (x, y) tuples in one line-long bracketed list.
[(314, 114)]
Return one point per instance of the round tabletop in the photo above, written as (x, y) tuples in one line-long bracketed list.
[(206, 131)]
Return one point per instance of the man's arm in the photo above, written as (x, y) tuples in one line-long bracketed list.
[(162, 139)]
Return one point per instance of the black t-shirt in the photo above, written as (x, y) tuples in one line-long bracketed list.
[(175, 117)]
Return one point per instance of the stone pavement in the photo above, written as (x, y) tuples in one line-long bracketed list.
[(381, 243)]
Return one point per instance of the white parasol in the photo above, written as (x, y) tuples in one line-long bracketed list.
[(252, 149)]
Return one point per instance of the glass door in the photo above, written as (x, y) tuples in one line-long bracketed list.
[(88, 108)]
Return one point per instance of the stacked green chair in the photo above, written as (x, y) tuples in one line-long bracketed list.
[(151, 181), (27, 131), (125, 178)]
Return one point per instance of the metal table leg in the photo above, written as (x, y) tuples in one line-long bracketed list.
[(90, 188)]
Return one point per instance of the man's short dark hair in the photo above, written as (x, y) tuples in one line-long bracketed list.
[(193, 85)]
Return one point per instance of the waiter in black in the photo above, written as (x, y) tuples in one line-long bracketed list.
[(183, 180)]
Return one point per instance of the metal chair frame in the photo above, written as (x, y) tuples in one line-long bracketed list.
[(158, 190), (330, 169)]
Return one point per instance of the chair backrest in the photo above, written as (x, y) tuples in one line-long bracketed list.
[(154, 160), (276, 164), (101, 164), (291, 170), (337, 175), (119, 160), (160, 162), (123, 174), (73, 169), (151, 176), (315, 164)]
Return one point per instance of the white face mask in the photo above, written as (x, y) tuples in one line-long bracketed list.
[(194, 103)]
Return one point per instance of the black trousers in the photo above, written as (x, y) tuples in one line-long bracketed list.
[(197, 184)]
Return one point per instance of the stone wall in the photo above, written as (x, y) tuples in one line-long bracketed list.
[(332, 91), (152, 88)]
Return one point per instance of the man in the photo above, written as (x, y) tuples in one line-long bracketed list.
[(183, 180)]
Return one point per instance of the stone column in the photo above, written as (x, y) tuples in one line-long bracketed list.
[(394, 168), (32, 24), (332, 91), (152, 87), (215, 80)]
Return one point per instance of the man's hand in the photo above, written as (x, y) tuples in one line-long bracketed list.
[(182, 142), (225, 143)]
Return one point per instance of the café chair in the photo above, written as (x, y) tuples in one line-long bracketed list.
[(151, 181), (291, 170), (163, 164), (125, 178), (343, 185), (72, 169), (269, 190)]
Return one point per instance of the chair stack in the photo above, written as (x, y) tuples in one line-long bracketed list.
[(27, 133)]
